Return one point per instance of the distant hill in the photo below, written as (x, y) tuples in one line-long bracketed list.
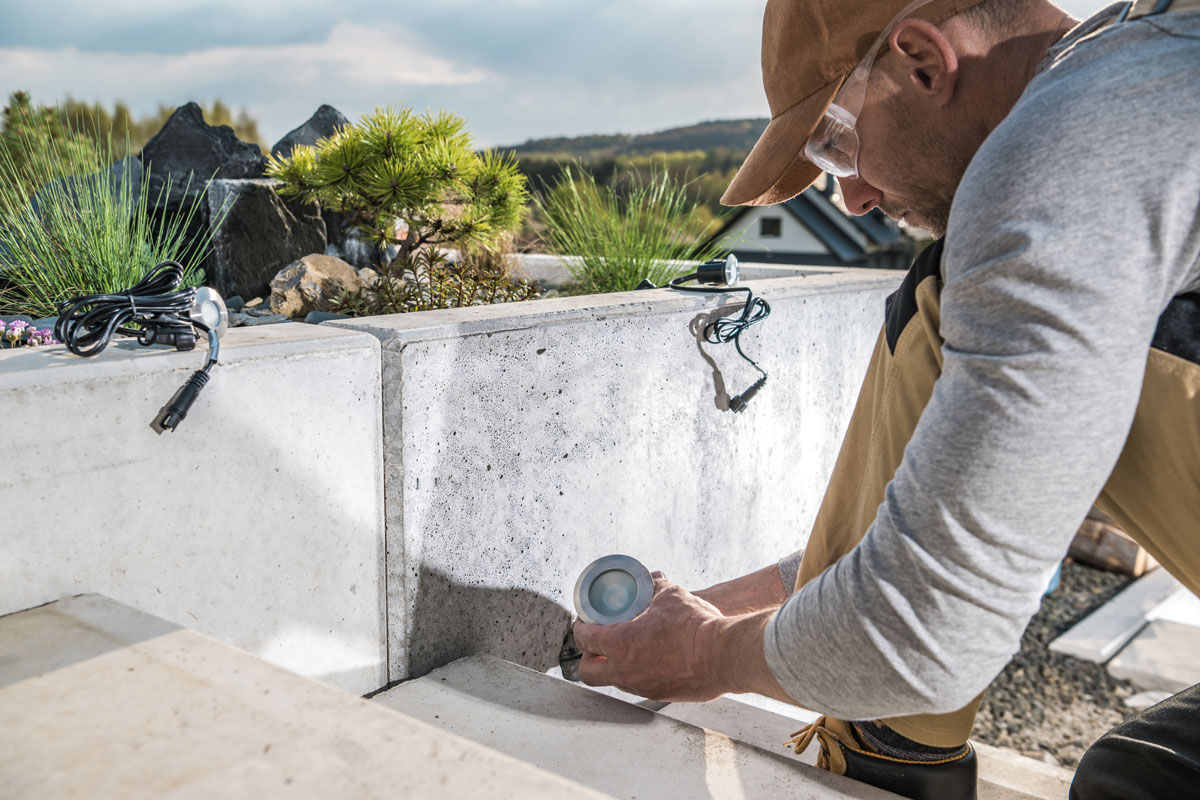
[(738, 135)]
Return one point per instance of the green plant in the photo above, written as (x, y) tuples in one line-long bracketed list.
[(24, 124), (420, 171), (428, 281), (618, 235), (88, 234)]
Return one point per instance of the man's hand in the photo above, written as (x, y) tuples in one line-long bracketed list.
[(664, 654), (681, 649)]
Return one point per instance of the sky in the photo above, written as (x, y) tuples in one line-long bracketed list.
[(515, 69)]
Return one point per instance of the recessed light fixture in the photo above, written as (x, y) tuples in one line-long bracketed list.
[(613, 589)]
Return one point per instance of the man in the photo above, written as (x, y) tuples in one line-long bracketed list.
[(1046, 358)]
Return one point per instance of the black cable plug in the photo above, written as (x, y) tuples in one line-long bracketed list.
[(176, 409), (738, 403)]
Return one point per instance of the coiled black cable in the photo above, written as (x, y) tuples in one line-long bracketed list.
[(156, 311), (730, 329), (156, 305)]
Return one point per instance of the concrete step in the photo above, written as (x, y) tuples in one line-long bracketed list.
[(1003, 774), (1100, 635), (602, 742), (99, 700)]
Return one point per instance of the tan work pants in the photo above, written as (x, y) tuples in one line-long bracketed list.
[(1153, 493)]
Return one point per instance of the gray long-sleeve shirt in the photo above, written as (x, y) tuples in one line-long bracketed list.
[(1073, 227)]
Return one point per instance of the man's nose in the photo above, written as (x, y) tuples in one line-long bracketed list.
[(858, 195)]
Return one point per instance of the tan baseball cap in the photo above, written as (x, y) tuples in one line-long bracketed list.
[(808, 49)]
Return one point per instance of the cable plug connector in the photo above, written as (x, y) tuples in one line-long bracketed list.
[(176, 409), (738, 403)]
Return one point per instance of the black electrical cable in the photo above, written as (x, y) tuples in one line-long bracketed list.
[(730, 329), (156, 311)]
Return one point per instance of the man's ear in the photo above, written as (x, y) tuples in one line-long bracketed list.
[(927, 60)]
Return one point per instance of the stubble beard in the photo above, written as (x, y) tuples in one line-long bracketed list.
[(932, 174)]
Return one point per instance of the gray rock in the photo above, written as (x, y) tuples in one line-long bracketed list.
[(260, 311), (261, 235), (270, 319), (122, 180), (312, 283), (317, 317), (235, 303), (6, 318), (237, 319), (321, 124), (45, 323)]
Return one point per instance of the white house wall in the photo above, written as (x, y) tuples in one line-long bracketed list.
[(793, 238)]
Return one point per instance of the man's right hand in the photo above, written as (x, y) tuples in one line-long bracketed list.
[(754, 592)]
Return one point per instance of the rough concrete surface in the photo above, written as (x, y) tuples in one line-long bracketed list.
[(99, 700), (523, 441), (604, 743), (259, 521)]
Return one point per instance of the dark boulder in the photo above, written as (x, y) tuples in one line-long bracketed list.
[(261, 235), (321, 124), (188, 148)]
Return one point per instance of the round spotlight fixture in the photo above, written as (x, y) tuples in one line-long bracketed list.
[(208, 309), (613, 589), (717, 272)]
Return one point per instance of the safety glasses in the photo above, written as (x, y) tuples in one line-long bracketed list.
[(833, 146)]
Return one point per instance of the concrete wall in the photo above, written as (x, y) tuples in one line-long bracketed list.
[(523, 441), (259, 521), (502, 448)]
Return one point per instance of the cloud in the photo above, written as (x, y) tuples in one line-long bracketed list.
[(351, 52)]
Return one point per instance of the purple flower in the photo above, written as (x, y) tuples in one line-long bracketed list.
[(19, 324)]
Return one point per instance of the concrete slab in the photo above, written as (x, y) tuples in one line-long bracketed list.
[(522, 441), (1007, 774), (1165, 655), (1183, 607), (553, 272), (1101, 634), (100, 700), (259, 521), (1003, 774), (602, 742)]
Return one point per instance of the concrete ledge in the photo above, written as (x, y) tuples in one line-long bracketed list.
[(522, 441), (605, 743), (100, 700), (259, 522)]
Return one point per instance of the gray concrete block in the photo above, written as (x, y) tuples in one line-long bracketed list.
[(522, 441), (100, 700), (601, 742), (259, 521), (1165, 655), (1101, 634)]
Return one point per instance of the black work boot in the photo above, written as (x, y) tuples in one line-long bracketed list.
[(949, 775)]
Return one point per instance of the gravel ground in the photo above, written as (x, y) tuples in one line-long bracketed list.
[(1051, 706)]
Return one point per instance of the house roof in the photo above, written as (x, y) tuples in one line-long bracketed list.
[(847, 237)]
